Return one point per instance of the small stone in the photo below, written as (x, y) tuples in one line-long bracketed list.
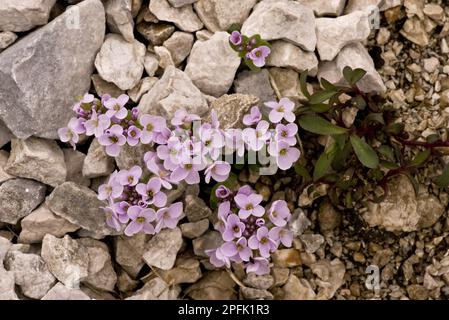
[(30, 273), (196, 209), (156, 289), (3, 160), (129, 252), (231, 108), (298, 289), (354, 56), (192, 230), (212, 64), (430, 209), (41, 222), (431, 64), (335, 33), (255, 84), (286, 20), (332, 8), (5, 244), (209, 240), (287, 82), (80, 206), (359, 257), (286, 258), (203, 35), (434, 11), (97, 163), (144, 85), (179, 45), (262, 282), (7, 285), (103, 87), (328, 217), (66, 259), (356, 5), (61, 56), (184, 17), (155, 33), (173, 91), (181, 3), (125, 283), (61, 292), (220, 15), (286, 55), (7, 38), (101, 274), (74, 161), (331, 274), (280, 276), (214, 285), (120, 62), (19, 16), (5, 134), (414, 30), (186, 270), (256, 294), (417, 292), (312, 242), (164, 57), (132, 156), (383, 36), (119, 18), (150, 63), (37, 159), (18, 197), (162, 249)]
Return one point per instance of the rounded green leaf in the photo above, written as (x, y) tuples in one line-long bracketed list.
[(318, 125), (366, 155)]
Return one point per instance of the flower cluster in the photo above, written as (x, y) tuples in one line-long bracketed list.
[(250, 233), (253, 50), (137, 203)]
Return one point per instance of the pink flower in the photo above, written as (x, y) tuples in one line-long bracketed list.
[(257, 138), (169, 217), (218, 170), (258, 55), (279, 213), (187, 172), (234, 142), (261, 241), (249, 205), (132, 135), (113, 139), (152, 126), (112, 189), (183, 118), (236, 38), (281, 110), (284, 154), (116, 107), (141, 220), (218, 258), (282, 235), (287, 133), (112, 218), (96, 125), (233, 228), (253, 117), (238, 250), (129, 177), (259, 266), (151, 192), (161, 174)]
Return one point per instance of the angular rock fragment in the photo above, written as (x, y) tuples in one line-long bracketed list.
[(129, 252), (97, 163), (7, 285), (332, 8), (209, 240), (186, 270), (150, 63), (162, 249), (214, 285), (156, 33), (103, 87), (19, 16), (230, 109), (184, 17), (3, 160), (192, 230), (74, 161), (61, 292), (5, 134), (286, 55), (156, 289), (144, 85), (179, 45), (119, 18), (7, 38), (256, 84)]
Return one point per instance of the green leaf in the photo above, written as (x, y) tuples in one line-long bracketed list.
[(395, 128), (321, 96), (320, 108), (443, 180), (318, 125), (387, 152), (303, 84), (366, 155), (420, 158), (432, 138), (375, 117), (234, 27), (359, 102), (353, 76), (231, 183), (302, 171), (340, 159), (388, 165), (327, 85), (324, 162)]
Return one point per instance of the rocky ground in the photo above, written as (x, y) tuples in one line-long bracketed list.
[(167, 54)]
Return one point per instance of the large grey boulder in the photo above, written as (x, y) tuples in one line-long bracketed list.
[(22, 15), (41, 75)]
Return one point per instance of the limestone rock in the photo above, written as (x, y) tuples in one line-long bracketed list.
[(156, 33), (354, 56), (19, 16), (286, 20), (80, 206), (120, 61), (150, 63), (3, 160), (286, 55), (414, 30), (132, 156), (332, 8), (209, 240), (330, 274), (129, 252), (66, 259), (5, 134), (214, 285), (61, 292), (61, 55), (7, 285), (162, 249), (256, 84), (186, 270), (181, 3), (212, 64), (298, 289), (173, 91), (18, 197), (196, 209), (142, 87), (286, 258), (192, 230), (335, 33), (37, 159), (119, 18), (7, 38), (259, 282), (164, 57), (41, 222), (179, 45), (231, 108), (103, 87), (220, 15), (156, 289), (5, 244), (184, 17), (97, 163), (74, 161), (30, 273), (256, 294)]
